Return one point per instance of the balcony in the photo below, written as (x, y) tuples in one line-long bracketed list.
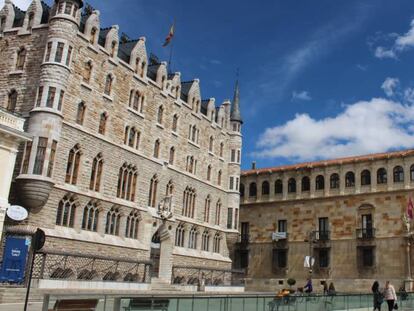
[(365, 233), (322, 236), (11, 120)]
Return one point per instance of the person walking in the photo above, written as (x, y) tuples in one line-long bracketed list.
[(331, 289), (325, 288), (308, 287), (378, 297), (390, 296)]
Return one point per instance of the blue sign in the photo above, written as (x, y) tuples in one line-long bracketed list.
[(14, 260)]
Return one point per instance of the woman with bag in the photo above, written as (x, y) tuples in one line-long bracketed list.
[(378, 297), (390, 296)]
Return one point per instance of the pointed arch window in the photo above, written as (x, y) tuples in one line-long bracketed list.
[(205, 241), (219, 178), (90, 217), (137, 65), (252, 190), (92, 38), (21, 58), (65, 215), (292, 185), (72, 167), (179, 235), (96, 173), (320, 182), (160, 115), (189, 199), (350, 179), (87, 72), (221, 149), (334, 181), (113, 220), (172, 156), (169, 189), (211, 144), (157, 149), (398, 173), (143, 66), (127, 181), (102, 123), (12, 101), (207, 204), (216, 243), (132, 224), (365, 178), (192, 238), (80, 115), (382, 176), (175, 123), (265, 188), (152, 196), (113, 48), (108, 85), (209, 173), (217, 220)]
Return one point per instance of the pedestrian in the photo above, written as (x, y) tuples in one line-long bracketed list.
[(331, 289), (378, 297), (308, 287), (325, 288), (390, 296)]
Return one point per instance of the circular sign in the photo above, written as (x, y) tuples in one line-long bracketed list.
[(17, 213)]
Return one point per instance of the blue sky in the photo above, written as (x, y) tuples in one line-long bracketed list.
[(319, 79)]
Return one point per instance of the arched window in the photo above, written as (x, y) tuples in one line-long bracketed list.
[(334, 181), (96, 174), (102, 123), (175, 123), (350, 179), (143, 65), (169, 189), (219, 178), (305, 184), (320, 182), (216, 243), (65, 215), (209, 173), (160, 114), (382, 176), (207, 204), (108, 85), (72, 167), (265, 188), (217, 220), (278, 186), (157, 149), (92, 38), (132, 223), (172, 156), (152, 196), (132, 137), (179, 235), (21, 59), (80, 115), (221, 149), (398, 174), (189, 198), (211, 144), (113, 48), (113, 220), (242, 190), (192, 238), (291, 185), (365, 178), (90, 217), (205, 241), (87, 72), (127, 182), (252, 190), (12, 101), (412, 172)]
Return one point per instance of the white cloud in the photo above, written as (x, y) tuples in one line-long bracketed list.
[(22, 4), (389, 86), (401, 43), (304, 95), (364, 127)]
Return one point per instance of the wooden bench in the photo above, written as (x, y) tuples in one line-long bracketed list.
[(75, 305), (145, 304)]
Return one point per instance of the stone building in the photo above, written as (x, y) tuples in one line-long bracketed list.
[(127, 161), (345, 213)]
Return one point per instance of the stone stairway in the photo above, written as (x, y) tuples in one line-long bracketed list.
[(18, 295)]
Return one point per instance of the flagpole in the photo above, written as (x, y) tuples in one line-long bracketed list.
[(169, 60)]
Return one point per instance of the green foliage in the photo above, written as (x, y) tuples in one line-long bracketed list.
[(291, 282)]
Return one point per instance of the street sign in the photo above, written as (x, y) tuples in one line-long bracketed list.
[(278, 236), (14, 260), (17, 213)]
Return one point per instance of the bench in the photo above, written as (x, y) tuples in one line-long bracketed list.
[(75, 305), (145, 304)]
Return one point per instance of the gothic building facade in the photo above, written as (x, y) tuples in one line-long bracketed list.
[(118, 141)]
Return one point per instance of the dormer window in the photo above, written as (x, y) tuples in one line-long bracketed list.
[(92, 38), (137, 65), (113, 48), (30, 21), (143, 69)]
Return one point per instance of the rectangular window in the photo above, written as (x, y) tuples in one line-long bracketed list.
[(367, 231), (324, 258), (236, 218), (26, 159), (48, 51), (238, 156), (233, 156), (368, 257), (51, 97), (229, 218), (323, 228), (39, 96), (282, 225), (231, 184), (279, 259), (40, 156), (59, 52), (237, 183), (52, 159), (69, 56), (243, 256), (244, 232), (60, 103), (68, 8)]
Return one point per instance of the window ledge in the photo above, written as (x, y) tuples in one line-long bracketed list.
[(177, 102), (141, 79), (108, 97), (16, 72), (211, 153), (193, 143), (86, 86), (113, 61), (221, 159), (163, 93), (93, 47), (160, 126), (196, 115), (136, 112), (175, 133)]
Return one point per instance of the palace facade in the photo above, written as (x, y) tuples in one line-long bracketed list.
[(126, 162), (345, 213)]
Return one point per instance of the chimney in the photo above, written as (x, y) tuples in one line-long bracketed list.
[(253, 165)]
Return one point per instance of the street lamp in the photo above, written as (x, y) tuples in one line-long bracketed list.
[(310, 239)]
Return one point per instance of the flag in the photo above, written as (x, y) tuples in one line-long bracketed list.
[(169, 36), (410, 208)]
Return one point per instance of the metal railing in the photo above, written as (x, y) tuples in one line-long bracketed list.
[(185, 275), (11, 119), (68, 266), (322, 235), (365, 233)]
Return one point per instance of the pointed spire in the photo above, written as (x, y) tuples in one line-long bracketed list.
[(235, 107)]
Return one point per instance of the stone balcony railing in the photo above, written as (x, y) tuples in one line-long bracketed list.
[(11, 120)]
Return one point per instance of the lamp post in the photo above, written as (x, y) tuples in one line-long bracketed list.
[(409, 235), (310, 239)]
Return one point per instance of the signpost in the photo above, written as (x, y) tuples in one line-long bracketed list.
[(14, 260)]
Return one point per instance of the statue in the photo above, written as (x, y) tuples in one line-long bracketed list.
[(406, 223), (164, 208)]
